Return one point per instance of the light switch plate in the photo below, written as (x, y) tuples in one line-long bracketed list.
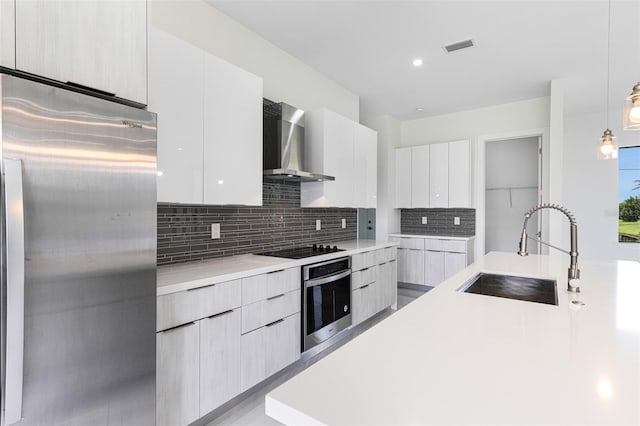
[(456, 220), (215, 231), (424, 220), (344, 223), (318, 226)]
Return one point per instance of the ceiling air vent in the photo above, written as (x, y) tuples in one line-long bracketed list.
[(458, 45)]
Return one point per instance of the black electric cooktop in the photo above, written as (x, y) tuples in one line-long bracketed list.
[(302, 252)]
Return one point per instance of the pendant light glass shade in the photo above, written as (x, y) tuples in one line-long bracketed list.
[(607, 149), (631, 117)]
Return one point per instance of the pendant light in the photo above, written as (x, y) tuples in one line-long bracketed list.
[(607, 148), (631, 117)]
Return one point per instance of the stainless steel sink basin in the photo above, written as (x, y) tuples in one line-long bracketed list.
[(511, 287)]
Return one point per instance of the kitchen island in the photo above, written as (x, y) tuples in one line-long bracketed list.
[(459, 358)]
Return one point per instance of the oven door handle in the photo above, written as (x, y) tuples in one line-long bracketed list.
[(326, 280)]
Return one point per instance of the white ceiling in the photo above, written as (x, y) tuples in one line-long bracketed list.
[(368, 46)]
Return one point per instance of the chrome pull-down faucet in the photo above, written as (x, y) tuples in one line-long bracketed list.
[(573, 283)]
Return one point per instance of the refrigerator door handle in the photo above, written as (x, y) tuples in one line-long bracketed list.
[(14, 205)]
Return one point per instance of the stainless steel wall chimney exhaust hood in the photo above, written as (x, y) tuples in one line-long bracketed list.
[(283, 144)]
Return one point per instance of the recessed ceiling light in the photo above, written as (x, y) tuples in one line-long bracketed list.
[(419, 109), (417, 62)]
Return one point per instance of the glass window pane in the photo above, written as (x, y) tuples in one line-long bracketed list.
[(629, 195)]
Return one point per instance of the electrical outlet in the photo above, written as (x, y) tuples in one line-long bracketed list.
[(344, 223), (215, 231), (318, 225), (424, 220), (456, 220)]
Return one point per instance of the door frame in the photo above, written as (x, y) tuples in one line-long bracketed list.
[(480, 181)]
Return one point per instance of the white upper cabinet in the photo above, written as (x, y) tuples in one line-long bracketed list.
[(209, 125), (7, 34), (403, 178), (339, 147), (366, 166), (97, 44), (175, 94), (434, 176), (232, 134), (459, 174), (439, 175), (420, 176)]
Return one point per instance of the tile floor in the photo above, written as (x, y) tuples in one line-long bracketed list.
[(249, 410)]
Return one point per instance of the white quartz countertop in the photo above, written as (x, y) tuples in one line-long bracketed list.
[(441, 237), (454, 358), (184, 276)]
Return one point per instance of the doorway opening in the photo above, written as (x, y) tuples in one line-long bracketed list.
[(513, 173)]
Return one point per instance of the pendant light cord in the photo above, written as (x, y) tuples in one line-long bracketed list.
[(608, 63)]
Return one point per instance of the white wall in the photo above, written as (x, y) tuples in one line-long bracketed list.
[(387, 218), (286, 78), (590, 186), (504, 118)]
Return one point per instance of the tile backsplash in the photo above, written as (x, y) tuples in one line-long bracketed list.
[(184, 231), (439, 222)]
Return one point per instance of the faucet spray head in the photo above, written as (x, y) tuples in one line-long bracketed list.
[(523, 238), (523, 244)]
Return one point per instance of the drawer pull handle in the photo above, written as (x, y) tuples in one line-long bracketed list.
[(365, 269), (275, 272), (275, 297), (220, 314), (168, 330), (364, 286), (275, 322), (200, 288)]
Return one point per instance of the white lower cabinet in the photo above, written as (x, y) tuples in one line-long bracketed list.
[(219, 359), (411, 266), (177, 375), (374, 283), (440, 265), (389, 273), (429, 261), (217, 341), (453, 263), (434, 267), (364, 302), (269, 349)]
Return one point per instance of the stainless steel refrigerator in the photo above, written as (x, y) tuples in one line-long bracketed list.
[(78, 234)]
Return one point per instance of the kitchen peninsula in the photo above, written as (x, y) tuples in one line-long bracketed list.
[(458, 358)]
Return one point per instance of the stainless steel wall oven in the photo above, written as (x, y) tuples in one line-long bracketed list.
[(326, 300)]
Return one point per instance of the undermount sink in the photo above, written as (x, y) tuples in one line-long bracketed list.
[(512, 287)]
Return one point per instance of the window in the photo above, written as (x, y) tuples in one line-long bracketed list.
[(629, 195)]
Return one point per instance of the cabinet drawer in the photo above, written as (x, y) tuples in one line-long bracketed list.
[(190, 305), (385, 255), (269, 310), (363, 260), (411, 243), (269, 349), (260, 287), (364, 277), (457, 246)]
